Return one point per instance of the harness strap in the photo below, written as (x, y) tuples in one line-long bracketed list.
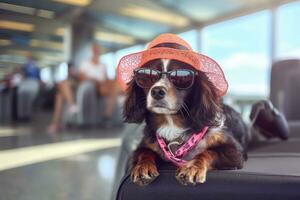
[(176, 158)]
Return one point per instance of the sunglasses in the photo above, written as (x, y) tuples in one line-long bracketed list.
[(181, 78)]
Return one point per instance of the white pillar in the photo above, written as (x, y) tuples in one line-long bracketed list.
[(67, 43), (273, 36), (199, 40)]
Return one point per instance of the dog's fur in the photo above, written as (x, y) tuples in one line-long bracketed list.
[(175, 117)]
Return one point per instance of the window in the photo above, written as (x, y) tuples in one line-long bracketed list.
[(111, 60), (242, 47), (288, 31), (129, 50), (191, 37), (110, 63)]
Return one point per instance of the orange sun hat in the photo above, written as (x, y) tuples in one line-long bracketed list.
[(211, 68)]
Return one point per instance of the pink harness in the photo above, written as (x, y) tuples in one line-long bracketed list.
[(176, 158)]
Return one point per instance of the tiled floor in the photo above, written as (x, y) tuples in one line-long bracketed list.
[(76, 164)]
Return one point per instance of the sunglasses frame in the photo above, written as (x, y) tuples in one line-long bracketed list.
[(194, 73)]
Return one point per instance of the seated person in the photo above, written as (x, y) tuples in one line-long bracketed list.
[(90, 70)]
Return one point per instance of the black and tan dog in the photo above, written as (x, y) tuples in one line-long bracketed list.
[(175, 114)]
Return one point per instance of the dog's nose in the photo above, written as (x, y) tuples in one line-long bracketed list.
[(158, 92)]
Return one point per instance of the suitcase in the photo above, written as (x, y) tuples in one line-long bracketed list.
[(271, 172), (220, 185)]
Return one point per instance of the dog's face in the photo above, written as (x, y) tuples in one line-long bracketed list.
[(197, 104), (163, 97)]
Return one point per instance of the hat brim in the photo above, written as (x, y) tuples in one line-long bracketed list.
[(127, 65)]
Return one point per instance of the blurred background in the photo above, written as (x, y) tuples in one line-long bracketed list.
[(73, 154)]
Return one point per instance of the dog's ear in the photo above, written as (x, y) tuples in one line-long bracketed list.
[(135, 104), (204, 103)]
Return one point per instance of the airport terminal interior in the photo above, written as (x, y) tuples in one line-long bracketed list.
[(62, 135)]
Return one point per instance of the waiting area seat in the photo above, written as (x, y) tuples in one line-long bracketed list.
[(284, 87), (27, 92), (91, 107), (17, 103)]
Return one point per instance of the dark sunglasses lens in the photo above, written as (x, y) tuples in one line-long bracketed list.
[(145, 78), (182, 79)]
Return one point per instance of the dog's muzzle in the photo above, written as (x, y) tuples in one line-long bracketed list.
[(158, 92)]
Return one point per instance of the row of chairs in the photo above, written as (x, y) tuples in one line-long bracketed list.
[(89, 102)]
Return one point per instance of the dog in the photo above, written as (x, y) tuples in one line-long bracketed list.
[(178, 94), (175, 114)]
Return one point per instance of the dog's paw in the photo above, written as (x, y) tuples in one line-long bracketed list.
[(144, 173), (191, 174)]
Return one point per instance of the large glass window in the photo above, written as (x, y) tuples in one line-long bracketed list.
[(110, 63), (288, 31), (111, 60), (192, 38), (129, 50), (242, 47)]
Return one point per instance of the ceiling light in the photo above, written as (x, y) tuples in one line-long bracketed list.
[(4, 42), (54, 58), (17, 8), (45, 13), (10, 58), (18, 26), (114, 37), (46, 44), (27, 10), (154, 15), (19, 52), (75, 2)]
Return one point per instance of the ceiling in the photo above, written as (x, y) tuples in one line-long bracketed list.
[(37, 26)]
